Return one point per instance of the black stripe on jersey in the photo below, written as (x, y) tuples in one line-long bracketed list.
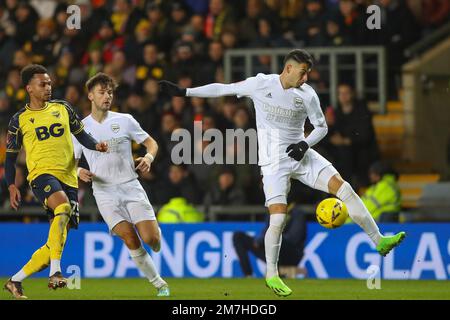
[(14, 135)]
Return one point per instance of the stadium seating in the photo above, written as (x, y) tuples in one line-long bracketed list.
[(412, 186)]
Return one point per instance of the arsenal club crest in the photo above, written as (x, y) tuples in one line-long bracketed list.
[(298, 102), (115, 127)]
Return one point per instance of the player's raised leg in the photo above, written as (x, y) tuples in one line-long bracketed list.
[(125, 230), (357, 211), (272, 244)]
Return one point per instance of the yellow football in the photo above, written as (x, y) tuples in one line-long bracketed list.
[(331, 213)]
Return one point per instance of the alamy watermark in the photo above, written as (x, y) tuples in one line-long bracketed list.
[(212, 147), (374, 278), (74, 19), (374, 20), (235, 146), (74, 280)]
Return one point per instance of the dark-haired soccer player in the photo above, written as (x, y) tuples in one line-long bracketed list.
[(120, 198), (43, 128), (282, 103)]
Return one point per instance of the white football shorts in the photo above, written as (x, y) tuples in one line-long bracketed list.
[(276, 176), (125, 202)]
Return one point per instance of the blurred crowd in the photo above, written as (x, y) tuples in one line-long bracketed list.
[(139, 42)]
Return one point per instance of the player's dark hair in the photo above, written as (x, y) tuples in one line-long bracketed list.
[(102, 79), (300, 56), (29, 71)]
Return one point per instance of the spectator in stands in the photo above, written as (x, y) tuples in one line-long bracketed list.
[(383, 197), (6, 22), (310, 28), (351, 23), (287, 12), (25, 18), (291, 252), (14, 90), (179, 19), (121, 70), (352, 137), (228, 110), (178, 210), (185, 61), (150, 67), (229, 38), (197, 36), (225, 191), (218, 17), (41, 46), (73, 95), (241, 119), (268, 36), (6, 111), (21, 59), (214, 62), (248, 27), (181, 184), (159, 27), (7, 48), (182, 111), (334, 35)]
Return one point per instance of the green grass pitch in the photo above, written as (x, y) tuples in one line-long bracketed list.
[(224, 289)]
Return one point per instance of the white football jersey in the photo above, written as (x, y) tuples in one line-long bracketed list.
[(115, 166), (280, 113)]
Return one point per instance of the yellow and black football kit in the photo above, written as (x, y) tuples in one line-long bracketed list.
[(45, 134), (46, 137)]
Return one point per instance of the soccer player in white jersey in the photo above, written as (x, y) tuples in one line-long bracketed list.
[(282, 103), (120, 198)]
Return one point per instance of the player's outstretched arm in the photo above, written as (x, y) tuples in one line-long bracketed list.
[(171, 88), (213, 90), (90, 143), (10, 175)]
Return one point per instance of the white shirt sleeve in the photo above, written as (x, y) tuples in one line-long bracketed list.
[(317, 119), (241, 89), (77, 148), (135, 131)]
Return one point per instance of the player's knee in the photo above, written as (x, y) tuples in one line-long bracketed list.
[(151, 239), (131, 240), (63, 208), (335, 183)]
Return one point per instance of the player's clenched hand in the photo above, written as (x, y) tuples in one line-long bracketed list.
[(14, 196), (171, 88), (297, 150), (101, 146), (85, 175), (144, 164)]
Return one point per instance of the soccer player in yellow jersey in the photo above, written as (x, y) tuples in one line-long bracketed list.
[(43, 128)]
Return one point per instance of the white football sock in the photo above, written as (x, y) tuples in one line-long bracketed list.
[(55, 266), (19, 276), (358, 212), (272, 243), (145, 263)]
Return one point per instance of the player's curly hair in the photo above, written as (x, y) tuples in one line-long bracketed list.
[(102, 79), (300, 56), (29, 71)]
